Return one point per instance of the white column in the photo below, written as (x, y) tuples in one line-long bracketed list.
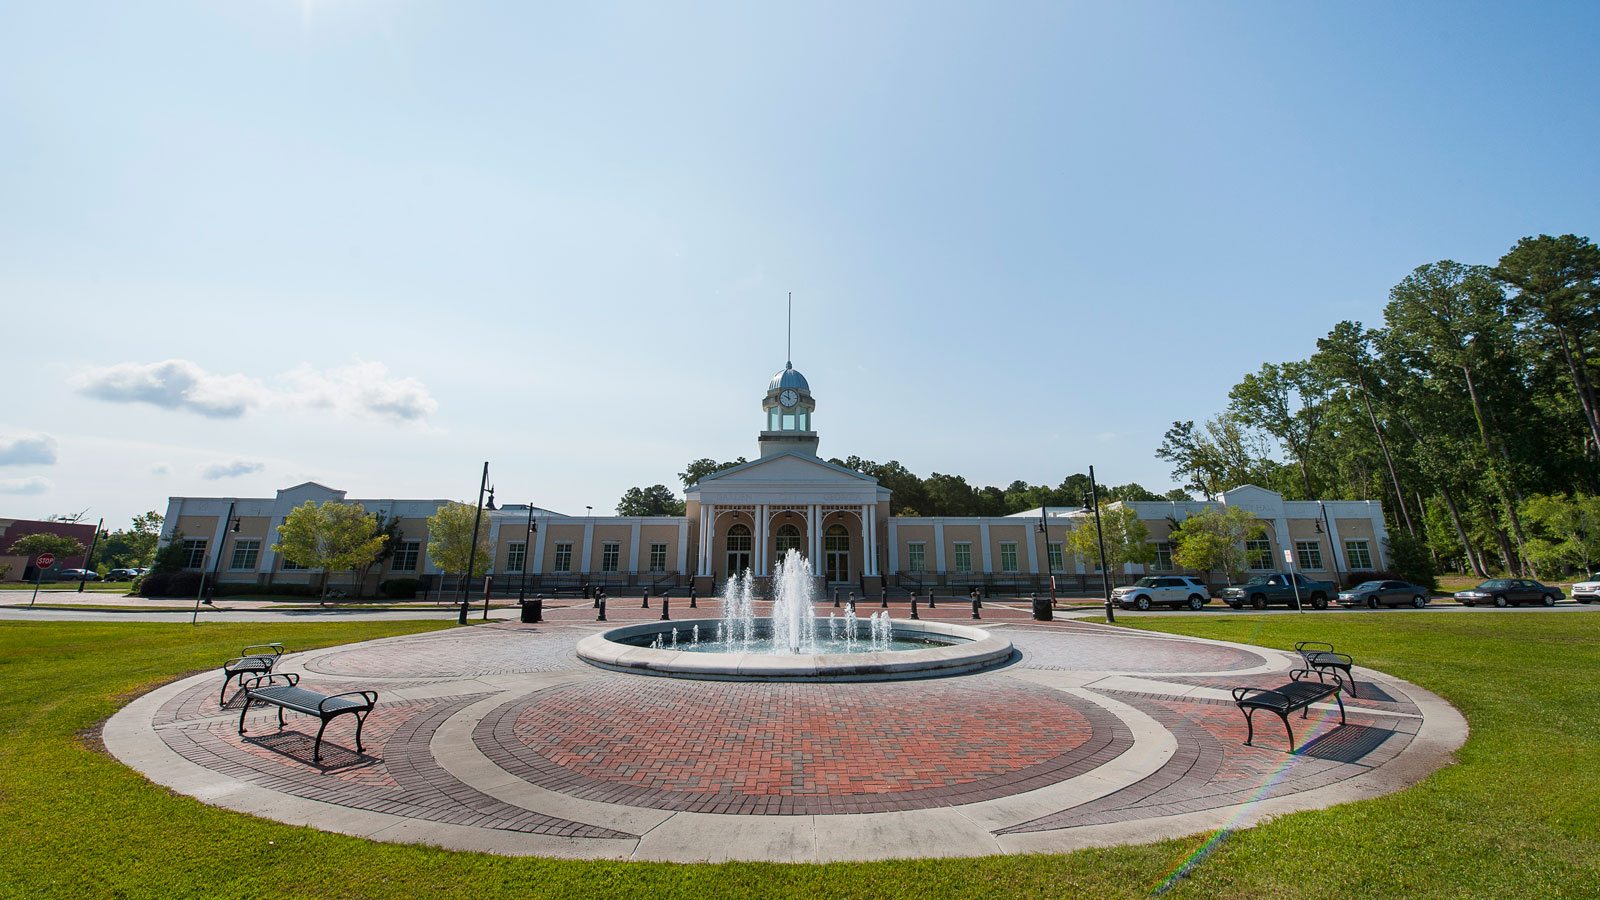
[(216, 546), (983, 537), (938, 545), (1033, 549), (872, 544), (894, 548), (703, 551), (633, 547), (588, 543), (760, 554), (1336, 545), (1280, 529), (814, 538), (683, 544), (538, 545)]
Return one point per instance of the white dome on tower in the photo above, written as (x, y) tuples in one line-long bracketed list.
[(790, 377)]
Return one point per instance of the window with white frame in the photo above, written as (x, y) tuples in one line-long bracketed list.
[(1357, 554), (1258, 554), (1163, 561), (786, 539), (963, 556), (290, 565), (1008, 556), (194, 553), (246, 552), (610, 553), (563, 556), (917, 556), (516, 556), (1058, 559), (1309, 553), (405, 556), (658, 557)]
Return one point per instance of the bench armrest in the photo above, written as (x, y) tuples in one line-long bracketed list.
[(288, 679), (1241, 694), (1303, 647), (370, 696), (1338, 680), (272, 649)]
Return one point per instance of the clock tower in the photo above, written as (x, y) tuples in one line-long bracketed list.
[(788, 406)]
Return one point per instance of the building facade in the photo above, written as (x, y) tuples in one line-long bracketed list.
[(748, 516)]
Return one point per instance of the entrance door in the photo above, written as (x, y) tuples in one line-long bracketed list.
[(739, 545), (836, 553)]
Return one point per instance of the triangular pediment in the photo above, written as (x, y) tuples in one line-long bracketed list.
[(309, 490), (787, 468)]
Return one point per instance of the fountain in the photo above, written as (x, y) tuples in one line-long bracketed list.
[(789, 642)]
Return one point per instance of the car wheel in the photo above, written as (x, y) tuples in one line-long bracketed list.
[(1197, 603), (1258, 601), (1372, 603), (1466, 603), (1143, 603), (1319, 602), (1583, 600), (1236, 606), (1419, 601), (1549, 599), (1500, 601)]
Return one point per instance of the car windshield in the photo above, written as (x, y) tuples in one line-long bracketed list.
[(1494, 584), (1259, 579), (1368, 586), (1147, 582)]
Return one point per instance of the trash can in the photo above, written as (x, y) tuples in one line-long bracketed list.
[(1041, 609), (533, 610)]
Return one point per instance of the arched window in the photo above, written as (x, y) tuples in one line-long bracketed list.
[(836, 538), (739, 539), (788, 538)]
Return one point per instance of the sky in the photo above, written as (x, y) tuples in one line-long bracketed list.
[(374, 244)]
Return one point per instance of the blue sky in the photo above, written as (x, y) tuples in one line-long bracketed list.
[(372, 244)]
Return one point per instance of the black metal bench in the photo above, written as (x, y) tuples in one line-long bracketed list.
[(1319, 656), (1284, 699), (256, 659), (284, 692)]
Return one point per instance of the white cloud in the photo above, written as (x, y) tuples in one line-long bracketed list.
[(27, 450), (33, 484), (364, 389), (230, 469), (172, 384)]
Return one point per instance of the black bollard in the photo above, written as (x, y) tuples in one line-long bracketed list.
[(835, 598), (885, 599), (692, 604), (646, 599), (600, 601), (852, 601), (975, 604), (666, 608), (461, 619), (931, 604), (914, 605)]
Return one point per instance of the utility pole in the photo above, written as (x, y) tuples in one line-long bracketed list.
[(1100, 536)]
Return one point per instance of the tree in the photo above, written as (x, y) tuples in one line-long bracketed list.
[(1564, 532), (450, 543), (1212, 540), (171, 557), (1409, 558), (700, 468), (1346, 354), (133, 546), (1281, 400), (35, 544), (1126, 537), (1557, 291), (330, 536), (389, 528), (655, 500)]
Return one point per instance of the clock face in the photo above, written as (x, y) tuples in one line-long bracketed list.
[(789, 397)]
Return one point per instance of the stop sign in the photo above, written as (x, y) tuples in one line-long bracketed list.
[(45, 560)]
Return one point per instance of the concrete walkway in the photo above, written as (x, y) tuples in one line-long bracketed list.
[(498, 739)]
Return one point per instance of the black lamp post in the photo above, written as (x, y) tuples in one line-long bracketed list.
[(472, 549), (88, 560), (1100, 537), (1049, 569), (527, 555), (1338, 577), (216, 565)]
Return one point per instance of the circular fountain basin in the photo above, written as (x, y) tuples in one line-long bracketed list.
[(919, 649)]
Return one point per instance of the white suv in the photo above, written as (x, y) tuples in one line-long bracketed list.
[(1587, 591), (1163, 590)]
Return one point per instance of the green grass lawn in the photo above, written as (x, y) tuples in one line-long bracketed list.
[(1516, 818)]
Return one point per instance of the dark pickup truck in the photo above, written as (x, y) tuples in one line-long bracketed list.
[(1276, 588)]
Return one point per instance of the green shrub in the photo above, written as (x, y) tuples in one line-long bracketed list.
[(185, 584), (400, 588), (155, 584), (1411, 561)]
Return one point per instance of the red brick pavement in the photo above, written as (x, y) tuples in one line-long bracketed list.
[(798, 748)]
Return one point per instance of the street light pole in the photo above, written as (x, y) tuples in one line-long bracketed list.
[(1050, 572), (216, 564), (1338, 577), (527, 556), (1100, 536), (88, 561), (472, 549)]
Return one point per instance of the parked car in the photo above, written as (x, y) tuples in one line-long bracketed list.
[(1171, 591), (1587, 590), (78, 575), (1373, 594), (1510, 592), (123, 574), (1280, 588)]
